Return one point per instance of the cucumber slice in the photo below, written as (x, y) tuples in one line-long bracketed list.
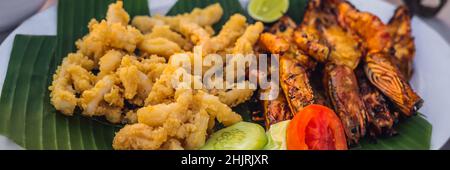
[(276, 136), (240, 136)]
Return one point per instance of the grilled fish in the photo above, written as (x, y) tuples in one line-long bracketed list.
[(378, 64), (295, 84), (342, 88), (403, 48), (368, 26), (388, 79), (276, 110), (379, 118)]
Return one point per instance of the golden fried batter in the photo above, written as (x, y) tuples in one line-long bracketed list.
[(137, 84), (230, 32), (116, 14)]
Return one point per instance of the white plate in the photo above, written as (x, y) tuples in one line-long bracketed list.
[(431, 78), (12, 12)]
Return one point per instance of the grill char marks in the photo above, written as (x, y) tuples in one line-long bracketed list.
[(343, 91)]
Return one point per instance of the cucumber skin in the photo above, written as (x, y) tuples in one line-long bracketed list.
[(253, 137)]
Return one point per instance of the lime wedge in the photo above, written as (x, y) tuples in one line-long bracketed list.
[(267, 10)]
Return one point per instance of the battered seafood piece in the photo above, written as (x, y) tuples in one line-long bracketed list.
[(230, 32), (380, 119), (159, 46), (109, 63), (295, 84), (166, 32), (115, 97), (116, 14), (342, 88), (162, 89), (217, 109), (244, 45), (111, 33), (103, 36), (145, 24), (139, 136), (62, 94), (388, 79), (203, 17), (403, 42)]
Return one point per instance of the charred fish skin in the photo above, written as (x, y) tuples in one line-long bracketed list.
[(295, 84), (379, 117), (276, 110), (403, 48), (320, 96), (273, 43), (378, 64), (342, 88), (311, 46), (284, 25), (386, 77), (368, 26)]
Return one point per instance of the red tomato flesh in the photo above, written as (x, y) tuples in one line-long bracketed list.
[(316, 127)]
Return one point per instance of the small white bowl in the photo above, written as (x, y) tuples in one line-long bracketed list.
[(12, 12)]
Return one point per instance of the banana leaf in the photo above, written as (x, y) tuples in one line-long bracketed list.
[(413, 134)]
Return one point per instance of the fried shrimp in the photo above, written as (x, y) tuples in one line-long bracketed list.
[(194, 32), (134, 82), (139, 136), (217, 109), (202, 17), (162, 89), (234, 97), (184, 121), (245, 43), (82, 79), (109, 63)]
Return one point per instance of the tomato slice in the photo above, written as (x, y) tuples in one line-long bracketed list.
[(316, 127)]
